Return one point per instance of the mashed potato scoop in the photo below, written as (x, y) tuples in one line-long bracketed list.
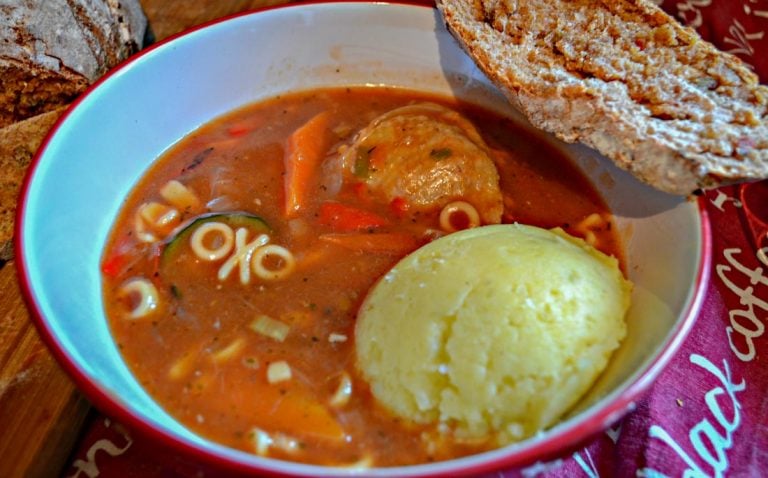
[(495, 331)]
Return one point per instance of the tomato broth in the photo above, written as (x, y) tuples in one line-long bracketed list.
[(265, 363)]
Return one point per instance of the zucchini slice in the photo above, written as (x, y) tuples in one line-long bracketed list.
[(235, 220)]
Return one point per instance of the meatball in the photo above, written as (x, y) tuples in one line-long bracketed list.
[(429, 156)]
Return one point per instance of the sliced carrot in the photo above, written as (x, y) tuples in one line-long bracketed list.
[(390, 243), (361, 191), (343, 218), (399, 206), (306, 148), (313, 256), (285, 408), (296, 412)]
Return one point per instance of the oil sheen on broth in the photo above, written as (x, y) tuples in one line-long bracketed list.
[(236, 267)]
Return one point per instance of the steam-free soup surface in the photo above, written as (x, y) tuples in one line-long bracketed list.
[(256, 350)]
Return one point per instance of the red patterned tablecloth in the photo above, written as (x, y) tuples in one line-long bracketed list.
[(705, 416)]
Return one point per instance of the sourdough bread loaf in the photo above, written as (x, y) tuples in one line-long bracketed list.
[(51, 50), (626, 79)]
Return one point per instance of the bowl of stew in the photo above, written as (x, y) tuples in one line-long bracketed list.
[(195, 238)]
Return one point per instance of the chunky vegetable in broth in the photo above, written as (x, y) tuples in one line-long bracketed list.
[(235, 269)]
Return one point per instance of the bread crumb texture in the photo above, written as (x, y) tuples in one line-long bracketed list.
[(627, 79), (495, 332)]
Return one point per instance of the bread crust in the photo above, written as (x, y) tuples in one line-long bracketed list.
[(51, 50), (626, 79), (18, 143)]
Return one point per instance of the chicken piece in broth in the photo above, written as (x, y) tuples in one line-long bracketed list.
[(429, 156)]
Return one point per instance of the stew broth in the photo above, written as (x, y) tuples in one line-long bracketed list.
[(208, 347)]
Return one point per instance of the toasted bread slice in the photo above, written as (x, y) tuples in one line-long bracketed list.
[(626, 79)]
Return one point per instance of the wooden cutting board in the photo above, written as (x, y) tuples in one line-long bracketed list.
[(41, 412)]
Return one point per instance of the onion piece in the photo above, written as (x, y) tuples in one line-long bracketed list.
[(221, 203), (285, 443), (261, 441), (278, 371), (269, 327), (333, 337), (160, 218), (179, 195)]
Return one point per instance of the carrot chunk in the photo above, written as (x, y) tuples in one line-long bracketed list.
[(390, 243), (306, 149), (341, 217), (399, 206), (295, 412), (286, 407)]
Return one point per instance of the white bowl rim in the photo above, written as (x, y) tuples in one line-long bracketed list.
[(566, 438)]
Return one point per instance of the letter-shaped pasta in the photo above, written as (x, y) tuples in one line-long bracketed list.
[(143, 295), (196, 241), (343, 391), (242, 256), (159, 217), (141, 230), (287, 266), (462, 208)]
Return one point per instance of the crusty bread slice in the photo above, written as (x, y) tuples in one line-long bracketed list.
[(627, 79)]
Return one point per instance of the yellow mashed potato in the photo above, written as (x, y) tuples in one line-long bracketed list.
[(495, 331)]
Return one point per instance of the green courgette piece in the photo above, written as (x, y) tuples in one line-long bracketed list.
[(235, 220)]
